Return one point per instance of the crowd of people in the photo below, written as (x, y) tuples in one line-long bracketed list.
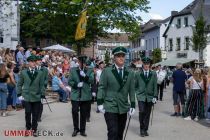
[(58, 66), (81, 80)]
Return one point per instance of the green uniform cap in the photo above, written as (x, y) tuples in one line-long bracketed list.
[(119, 50), (31, 58), (146, 60), (38, 57)]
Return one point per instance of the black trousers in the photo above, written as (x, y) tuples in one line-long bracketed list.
[(144, 114), (40, 111), (81, 106), (160, 90), (115, 125), (32, 109), (89, 110)]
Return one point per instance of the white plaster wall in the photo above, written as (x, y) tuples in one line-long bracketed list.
[(9, 25), (182, 32)]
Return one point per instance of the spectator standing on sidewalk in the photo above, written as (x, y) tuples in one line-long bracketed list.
[(161, 74), (179, 77), (195, 103), (208, 101), (3, 89)]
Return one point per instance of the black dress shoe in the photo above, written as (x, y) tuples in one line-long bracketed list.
[(83, 134), (88, 120), (142, 134), (174, 115), (35, 134), (146, 133), (75, 133)]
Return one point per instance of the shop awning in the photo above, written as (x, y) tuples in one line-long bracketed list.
[(173, 62)]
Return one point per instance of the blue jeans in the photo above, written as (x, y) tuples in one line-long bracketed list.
[(208, 105), (3, 96), (10, 95), (62, 94), (14, 97)]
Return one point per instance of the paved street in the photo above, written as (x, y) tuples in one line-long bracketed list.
[(164, 126)]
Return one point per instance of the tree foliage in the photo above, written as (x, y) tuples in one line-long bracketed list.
[(199, 38), (57, 19), (107, 58), (156, 55)]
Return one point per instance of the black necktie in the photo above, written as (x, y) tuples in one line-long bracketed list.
[(32, 71), (146, 75), (120, 72)]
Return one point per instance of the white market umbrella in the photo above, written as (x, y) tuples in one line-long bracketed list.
[(59, 47)]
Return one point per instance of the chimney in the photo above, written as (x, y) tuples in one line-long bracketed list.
[(174, 13)]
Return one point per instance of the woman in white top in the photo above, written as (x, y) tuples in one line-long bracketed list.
[(195, 104)]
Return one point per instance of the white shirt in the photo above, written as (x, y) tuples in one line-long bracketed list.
[(196, 85), (98, 75), (31, 70), (27, 54), (160, 76), (147, 72), (119, 70)]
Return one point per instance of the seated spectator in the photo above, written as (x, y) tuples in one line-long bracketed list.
[(58, 86)]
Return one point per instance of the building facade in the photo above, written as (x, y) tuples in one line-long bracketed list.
[(179, 33), (151, 38), (104, 44), (9, 24)]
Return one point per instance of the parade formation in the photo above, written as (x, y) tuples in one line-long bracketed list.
[(116, 88)]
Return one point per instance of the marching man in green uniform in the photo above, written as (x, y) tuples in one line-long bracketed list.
[(44, 70), (80, 80), (146, 93), (115, 86), (31, 87)]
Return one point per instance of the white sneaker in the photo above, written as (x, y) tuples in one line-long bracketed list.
[(188, 118), (196, 119)]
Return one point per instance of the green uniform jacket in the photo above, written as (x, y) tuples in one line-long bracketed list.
[(45, 75), (146, 88), (113, 91), (84, 93), (31, 86)]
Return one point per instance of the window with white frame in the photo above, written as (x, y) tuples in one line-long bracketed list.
[(187, 43), (186, 22), (170, 44), (178, 25), (1, 37), (178, 44)]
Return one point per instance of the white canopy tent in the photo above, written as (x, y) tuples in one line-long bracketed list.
[(59, 47)]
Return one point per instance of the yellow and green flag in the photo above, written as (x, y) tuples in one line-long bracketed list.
[(81, 26)]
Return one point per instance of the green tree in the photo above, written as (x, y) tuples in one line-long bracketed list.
[(107, 57), (156, 55), (57, 19), (199, 38)]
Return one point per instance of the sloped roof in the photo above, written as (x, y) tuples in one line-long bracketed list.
[(194, 8), (153, 23), (115, 37)]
